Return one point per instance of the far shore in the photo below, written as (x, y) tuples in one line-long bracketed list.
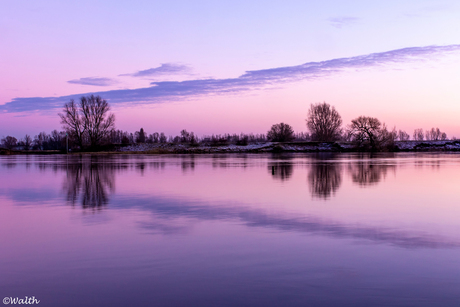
[(146, 148)]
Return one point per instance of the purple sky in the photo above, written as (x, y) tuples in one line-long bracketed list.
[(230, 66)]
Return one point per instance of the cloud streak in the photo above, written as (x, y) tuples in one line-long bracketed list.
[(163, 70), (428, 10), (340, 22), (93, 81), (163, 91)]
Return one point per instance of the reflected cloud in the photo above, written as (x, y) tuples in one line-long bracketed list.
[(90, 181), (168, 211), (165, 227)]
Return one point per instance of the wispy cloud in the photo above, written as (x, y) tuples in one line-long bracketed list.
[(164, 69), (342, 21), (162, 91), (93, 81), (428, 10)]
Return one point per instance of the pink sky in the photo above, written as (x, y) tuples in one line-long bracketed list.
[(241, 70)]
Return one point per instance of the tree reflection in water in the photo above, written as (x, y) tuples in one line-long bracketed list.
[(283, 169), (89, 182), (324, 179), (187, 163), (367, 173)]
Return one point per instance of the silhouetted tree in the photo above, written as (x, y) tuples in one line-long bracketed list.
[(154, 137), (435, 135), (418, 135), (366, 130), (27, 142), (72, 122), (193, 139), (403, 135), (324, 122), (163, 138), (184, 136), (302, 136), (89, 118), (56, 140), (281, 133), (39, 141), (242, 140), (97, 121), (140, 136), (9, 142), (386, 137)]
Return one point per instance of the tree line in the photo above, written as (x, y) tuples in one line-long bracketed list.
[(88, 124), (325, 125)]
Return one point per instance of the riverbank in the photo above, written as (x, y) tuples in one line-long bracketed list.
[(404, 146), (408, 146)]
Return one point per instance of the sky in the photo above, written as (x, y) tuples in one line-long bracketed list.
[(215, 67)]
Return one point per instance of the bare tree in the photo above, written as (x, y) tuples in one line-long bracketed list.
[(89, 120), (184, 136), (418, 135), (156, 137), (324, 122), (40, 141), (281, 133), (27, 142), (435, 135), (140, 136), (72, 122), (386, 137), (9, 142), (403, 136), (98, 123), (193, 139), (366, 130), (163, 138)]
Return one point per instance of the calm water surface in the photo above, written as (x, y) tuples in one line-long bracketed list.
[(231, 230)]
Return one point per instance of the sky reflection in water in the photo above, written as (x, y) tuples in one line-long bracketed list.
[(323, 229)]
